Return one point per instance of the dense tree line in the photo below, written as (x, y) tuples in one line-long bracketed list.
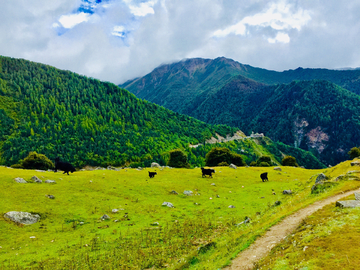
[(85, 121)]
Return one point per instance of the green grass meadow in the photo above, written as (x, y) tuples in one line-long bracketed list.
[(200, 232)]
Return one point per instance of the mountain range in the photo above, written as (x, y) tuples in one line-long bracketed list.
[(88, 122), (314, 109)]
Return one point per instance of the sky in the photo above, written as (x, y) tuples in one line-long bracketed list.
[(118, 40)]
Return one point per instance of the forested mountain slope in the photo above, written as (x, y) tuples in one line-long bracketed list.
[(88, 122), (83, 120), (177, 85), (315, 115)]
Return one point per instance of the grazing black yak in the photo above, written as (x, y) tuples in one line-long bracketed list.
[(264, 177), (64, 166), (152, 174), (206, 172)]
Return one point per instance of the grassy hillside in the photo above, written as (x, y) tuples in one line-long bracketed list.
[(200, 228), (331, 234)]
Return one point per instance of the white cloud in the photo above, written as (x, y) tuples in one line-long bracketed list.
[(280, 37), (112, 43), (69, 21), (141, 9), (279, 16)]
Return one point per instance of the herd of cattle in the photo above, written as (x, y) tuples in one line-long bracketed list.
[(67, 167)]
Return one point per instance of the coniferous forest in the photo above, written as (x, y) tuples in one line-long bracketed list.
[(88, 122)]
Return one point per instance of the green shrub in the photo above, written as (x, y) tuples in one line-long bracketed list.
[(178, 159), (17, 166), (354, 152), (264, 164), (263, 159), (37, 161), (219, 155), (253, 164), (289, 161), (223, 164)]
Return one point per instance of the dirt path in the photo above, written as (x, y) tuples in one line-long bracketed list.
[(262, 246)]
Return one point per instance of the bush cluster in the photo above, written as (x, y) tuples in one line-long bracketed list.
[(36, 161), (219, 156)]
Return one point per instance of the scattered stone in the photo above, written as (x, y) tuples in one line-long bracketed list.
[(115, 210), (99, 168), (40, 171), (242, 186), (155, 224), (357, 196), (321, 178), (168, 204), (355, 163), (305, 248), (20, 180), (139, 168), (154, 164), (231, 206), (210, 198), (22, 217), (50, 196), (213, 184), (188, 192), (247, 220), (348, 204), (217, 196), (287, 191), (277, 203), (174, 192), (32, 237), (340, 177), (50, 181), (105, 217), (111, 168), (81, 223), (277, 169), (36, 179), (232, 166), (262, 197)]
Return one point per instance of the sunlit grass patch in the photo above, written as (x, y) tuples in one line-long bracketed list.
[(200, 232)]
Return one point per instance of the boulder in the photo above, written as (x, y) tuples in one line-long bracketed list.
[(213, 184), (168, 204), (231, 206), (155, 165), (174, 192), (36, 179), (20, 180), (105, 217), (50, 181), (355, 163), (287, 191), (22, 217), (320, 178), (111, 168), (232, 166), (277, 169), (348, 204), (188, 192), (115, 210)]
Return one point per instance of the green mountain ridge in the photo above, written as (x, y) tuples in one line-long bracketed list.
[(316, 115), (88, 122)]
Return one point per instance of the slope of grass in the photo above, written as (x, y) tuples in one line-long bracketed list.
[(327, 239), (200, 232)]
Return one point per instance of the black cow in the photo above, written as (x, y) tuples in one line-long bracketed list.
[(264, 177), (206, 172), (152, 174), (64, 166)]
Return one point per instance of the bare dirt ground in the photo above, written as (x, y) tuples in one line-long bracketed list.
[(262, 246)]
